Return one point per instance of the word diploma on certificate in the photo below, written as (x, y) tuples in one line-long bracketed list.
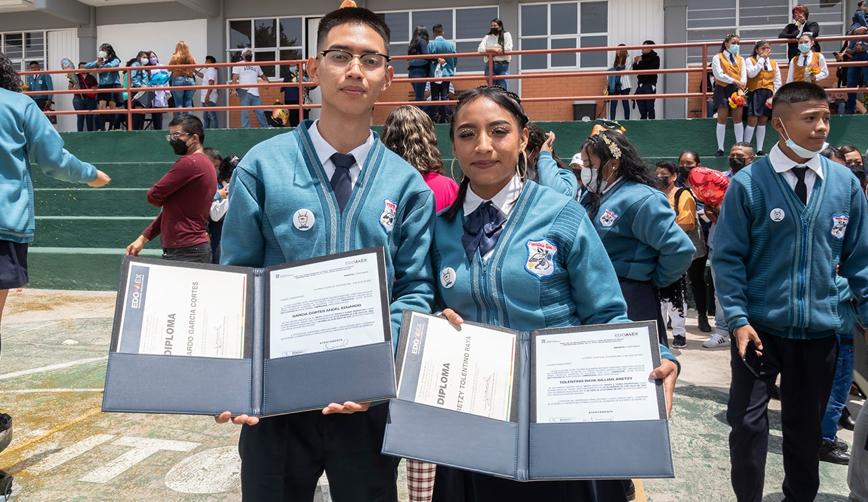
[(596, 374), (468, 368)]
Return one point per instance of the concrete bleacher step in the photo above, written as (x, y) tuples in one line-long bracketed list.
[(81, 232)]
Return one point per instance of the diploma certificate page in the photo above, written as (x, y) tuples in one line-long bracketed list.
[(325, 305), (183, 311), (595, 376), (467, 368)]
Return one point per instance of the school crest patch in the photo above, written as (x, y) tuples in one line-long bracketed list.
[(541, 258), (607, 219), (839, 225), (447, 277), (387, 219)]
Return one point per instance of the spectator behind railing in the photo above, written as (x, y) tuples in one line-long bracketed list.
[(649, 60), (157, 99), (494, 44), (730, 79), (85, 100), (799, 26), (183, 76), (249, 96), (139, 78), (209, 96), (619, 85), (418, 68), (442, 67), (763, 81), (111, 82), (40, 82)]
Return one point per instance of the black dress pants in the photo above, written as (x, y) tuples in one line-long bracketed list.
[(807, 368)]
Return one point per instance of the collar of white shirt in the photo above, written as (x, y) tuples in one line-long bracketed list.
[(504, 201), (781, 163), (809, 55), (325, 151), (726, 54)]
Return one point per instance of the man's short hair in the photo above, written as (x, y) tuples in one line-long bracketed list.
[(801, 7), (190, 124), (213, 154), (210, 59), (798, 92), (648, 42), (33, 63), (746, 145), (352, 15), (437, 28)]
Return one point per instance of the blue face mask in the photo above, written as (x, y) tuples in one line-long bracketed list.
[(800, 150), (733, 49), (804, 47)]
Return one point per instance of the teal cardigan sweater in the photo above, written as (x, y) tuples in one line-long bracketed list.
[(26, 134), (575, 286), (774, 258), (282, 175), (637, 227), (442, 46)]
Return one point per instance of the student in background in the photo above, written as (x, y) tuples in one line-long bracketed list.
[(619, 85), (494, 44), (110, 82), (763, 81), (808, 65), (418, 68), (648, 60), (249, 74), (797, 28), (84, 100), (441, 67), (730, 77), (40, 82), (209, 96), (220, 204), (183, 76)]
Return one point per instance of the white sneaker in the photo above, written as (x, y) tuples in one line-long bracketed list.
[(716, 341)]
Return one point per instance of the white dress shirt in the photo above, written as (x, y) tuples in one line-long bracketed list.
[(821, 61), (325, 151), (754, 69), (719, 75), (504, 201), (784, 165)]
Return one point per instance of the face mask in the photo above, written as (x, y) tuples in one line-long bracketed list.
[(144, 60), (733, 49), (248, 57), (589, 179), (736, 164), (102, 54), (179, 146), (800, 151), (494, 31), (684, 172), (804, 47), (153, 60)]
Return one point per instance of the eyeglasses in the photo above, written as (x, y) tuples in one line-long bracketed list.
[(176, 136), (340, 60)]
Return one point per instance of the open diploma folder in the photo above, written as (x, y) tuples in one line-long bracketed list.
[(565, 403), (203, 339)]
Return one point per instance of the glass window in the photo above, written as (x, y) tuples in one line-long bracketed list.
[(564, 19), (34, 46), (764, 12), (825, 11), (534, 61), (595, 17), (474, 23), (288, 55), (428, 18), (564, 60), (470, 46), (534, 20), (594, 59), (13, 47), (239, 34), (399, 26), (265, 33), (268, 70), (290, 32)]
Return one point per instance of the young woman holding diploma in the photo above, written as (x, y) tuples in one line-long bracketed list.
[(486, 243)]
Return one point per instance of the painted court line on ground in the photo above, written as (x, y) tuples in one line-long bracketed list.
[(37, 327), (25, 444), (51, 367), (47, 391)]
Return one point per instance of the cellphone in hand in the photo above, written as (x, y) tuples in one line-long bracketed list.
[(753, 362)]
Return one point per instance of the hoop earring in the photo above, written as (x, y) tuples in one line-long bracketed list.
[(452, 171), (518, 170)]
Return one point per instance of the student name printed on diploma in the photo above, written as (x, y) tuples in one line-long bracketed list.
[(169, 345)]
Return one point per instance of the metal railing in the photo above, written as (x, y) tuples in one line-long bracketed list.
[(704, 93)]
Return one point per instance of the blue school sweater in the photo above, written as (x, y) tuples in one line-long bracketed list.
[(638, 229), (846, 311), (106, 77), (390, 206), (26, 133), (547, 270), (552, 176), (774, 259)]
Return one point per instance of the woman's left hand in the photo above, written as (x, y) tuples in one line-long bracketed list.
[(668, 372), (549, 144), (452, 316)]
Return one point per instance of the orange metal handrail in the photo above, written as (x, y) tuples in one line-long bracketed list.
[(301, 65)]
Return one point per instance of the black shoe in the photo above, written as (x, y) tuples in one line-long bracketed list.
[(846, 421), (5, 431), (679, 341), (719, 153), (629, 489), (5, 485), (841, 445), (830, 453), (703, 324), (761, 153), (776, 393)]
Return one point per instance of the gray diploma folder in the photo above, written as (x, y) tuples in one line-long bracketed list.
[(255, 384), (523, 450)]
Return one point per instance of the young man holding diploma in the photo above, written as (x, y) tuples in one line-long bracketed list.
[(327, 187)]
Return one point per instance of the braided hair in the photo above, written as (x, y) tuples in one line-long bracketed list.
[(609, 145), (9, 78)]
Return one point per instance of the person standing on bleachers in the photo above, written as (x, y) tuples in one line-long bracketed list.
[(649, 60), (799, 26), (40, 82)]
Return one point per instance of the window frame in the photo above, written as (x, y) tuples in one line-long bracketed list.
[(22, 63), (231, 51), (570, 36)]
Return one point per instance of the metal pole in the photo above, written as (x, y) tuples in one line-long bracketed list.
[(704, 83), (129, 102)]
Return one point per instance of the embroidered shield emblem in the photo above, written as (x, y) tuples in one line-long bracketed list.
[(607, 219), (839, 225), (541, 258), (387, 219)]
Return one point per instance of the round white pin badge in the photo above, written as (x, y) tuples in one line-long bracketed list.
[(447, 277), (777, 214), (303, 219)]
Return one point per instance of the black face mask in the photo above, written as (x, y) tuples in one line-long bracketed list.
[(684, 172), (248, 57), (494, 31), (179, 146), (663, 181), (737, 164)]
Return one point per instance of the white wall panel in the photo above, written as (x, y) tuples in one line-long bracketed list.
[(61, 44)]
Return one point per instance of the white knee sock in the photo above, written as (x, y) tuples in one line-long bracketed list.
[(760, 137), (739, 132), (721, 133), (748, 133)]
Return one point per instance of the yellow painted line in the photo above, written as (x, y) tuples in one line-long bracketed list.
[(50, 432), (640, 491)]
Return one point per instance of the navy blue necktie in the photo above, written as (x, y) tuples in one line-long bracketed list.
[(482, 229), (732, 59), (341, 182), (766, 65), (805, 61), (801, 188)]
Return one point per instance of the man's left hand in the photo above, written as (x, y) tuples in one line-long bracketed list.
[(668, 372), (347, 408)]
